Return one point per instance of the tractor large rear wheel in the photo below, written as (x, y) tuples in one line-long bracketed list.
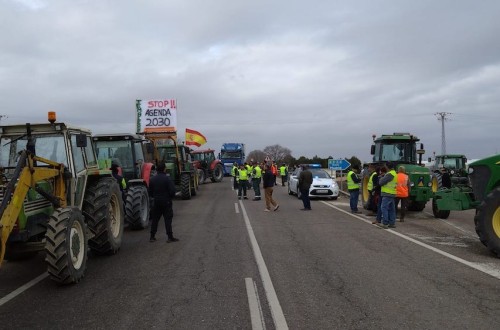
[(185, 186), (365, 194), (487, 221), (103, 208), (137, 207), (66, 246), (217, 173)]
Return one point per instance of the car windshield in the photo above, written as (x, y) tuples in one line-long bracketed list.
[(319, 174)]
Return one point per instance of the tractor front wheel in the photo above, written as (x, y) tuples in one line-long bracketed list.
[(441, 214), (66, 246), (201, 176), (217, 173), (185, 186), (487, 221), (137, 207), (103, 209)]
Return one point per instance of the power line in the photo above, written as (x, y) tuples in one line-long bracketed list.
[(442, 117)]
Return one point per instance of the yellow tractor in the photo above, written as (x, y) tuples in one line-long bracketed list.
[(54, 197)]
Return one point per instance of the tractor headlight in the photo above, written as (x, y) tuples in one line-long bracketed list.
[(429, 184), (470, 170), (412, 184)]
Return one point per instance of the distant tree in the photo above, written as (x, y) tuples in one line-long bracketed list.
[(354, 161), (277, 153), (256, 156)]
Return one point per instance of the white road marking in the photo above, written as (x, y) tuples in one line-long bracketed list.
[(484, 268), (272, 298), (21, 289), (236, 208), (254, 304)]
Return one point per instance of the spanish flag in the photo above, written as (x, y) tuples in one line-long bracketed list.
[(194, 138)]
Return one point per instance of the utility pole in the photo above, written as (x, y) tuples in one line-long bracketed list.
[(442, 117)]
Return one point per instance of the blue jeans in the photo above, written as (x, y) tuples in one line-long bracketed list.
[(353, 199), (379, 209), (388, 210), (305, 198)]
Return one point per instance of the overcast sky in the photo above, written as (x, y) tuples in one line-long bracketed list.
[(317, 77)]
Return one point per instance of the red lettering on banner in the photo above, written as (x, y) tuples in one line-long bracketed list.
[(162, 104)]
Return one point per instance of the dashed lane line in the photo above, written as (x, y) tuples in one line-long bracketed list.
[(21, 289)]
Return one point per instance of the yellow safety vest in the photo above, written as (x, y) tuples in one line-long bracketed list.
[(350, 182), (370, 181), (243, 175), (258, 172), (390, 187), (283, 170), (233, 170)]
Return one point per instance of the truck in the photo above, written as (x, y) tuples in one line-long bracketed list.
[(56, 198), (134, 156), (482, 193), (401, 149), (231, 153)]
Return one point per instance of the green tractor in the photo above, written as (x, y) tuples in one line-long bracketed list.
[(482, 194), (134, 156), (54, 197), (448, 171), (401, 149), (179, 167)]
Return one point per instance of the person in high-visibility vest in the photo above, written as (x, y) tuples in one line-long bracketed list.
[(388, 193), (274, 170), (402, 192), (242, 182), (283, 173), (353, 188), (234, 174), (121, 181), (256, 178), (373, 189)]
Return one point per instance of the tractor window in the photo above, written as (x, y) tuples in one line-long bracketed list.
[(89, 153), (46, 146), (138, 152), (77, 155), (398, 152)]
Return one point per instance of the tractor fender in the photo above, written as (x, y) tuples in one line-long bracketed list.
[(146, 172), (214, 163)]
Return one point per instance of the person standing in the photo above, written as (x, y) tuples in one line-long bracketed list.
[(353, 188), (388, 193), (162, 190), (242, 181), (121, 182), (283, 173), (373, 190), (256, 178), (274, 170), (402, 192), (234, 174), (305, 182), (268, 183)]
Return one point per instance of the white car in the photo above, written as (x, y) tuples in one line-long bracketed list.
[(323, 184)]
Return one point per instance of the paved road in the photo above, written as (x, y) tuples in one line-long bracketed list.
[(237, 266)]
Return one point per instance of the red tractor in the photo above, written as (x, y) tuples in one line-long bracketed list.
[(207, 165)]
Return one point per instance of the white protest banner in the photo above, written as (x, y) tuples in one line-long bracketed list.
[(155, 116)]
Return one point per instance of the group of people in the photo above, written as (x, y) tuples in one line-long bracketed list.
[(386, 190), (267, 173)]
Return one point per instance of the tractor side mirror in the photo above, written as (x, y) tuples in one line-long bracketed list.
[(372, 150), (81, 140)]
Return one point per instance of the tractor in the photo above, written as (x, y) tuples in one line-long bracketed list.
[(482, 194), (55, 197), (448, 171), (134, 156), (401, 149), (178, 162), (208, 166)]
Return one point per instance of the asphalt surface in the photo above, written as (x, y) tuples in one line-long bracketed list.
[(319, 269)]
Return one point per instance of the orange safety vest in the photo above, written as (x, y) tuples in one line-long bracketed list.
[(402, 185), (274, 169)]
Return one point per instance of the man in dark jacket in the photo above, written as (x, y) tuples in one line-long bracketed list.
[(305, 182), (162, 190)]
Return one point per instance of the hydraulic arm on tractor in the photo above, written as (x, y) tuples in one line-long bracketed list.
[(26, 175)]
